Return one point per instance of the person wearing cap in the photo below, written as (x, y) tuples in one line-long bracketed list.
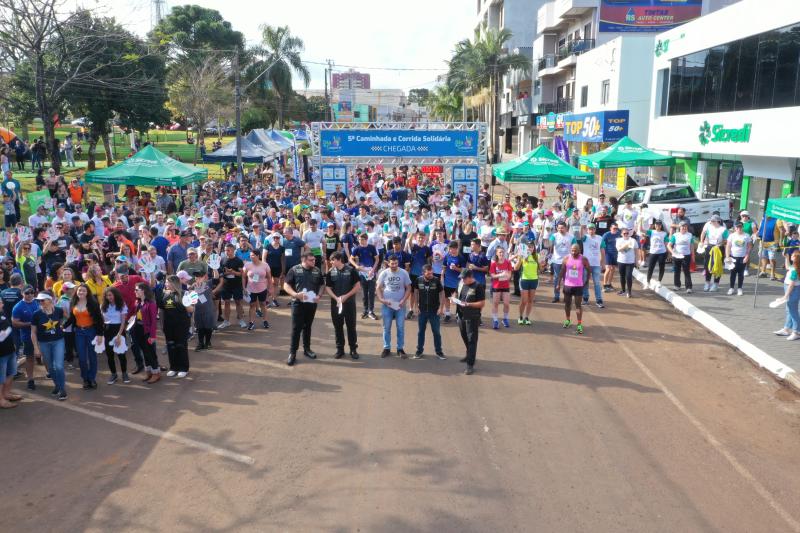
[(342, 283), (627, 217), (738, 249), (21, 317), (680, 246), (47, 336), (471, 298), (193, 265), (657, 242), (713, 239), (178, 252), (594, 252), (626, 261)]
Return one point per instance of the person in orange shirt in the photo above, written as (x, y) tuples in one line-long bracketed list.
[(76, 192)]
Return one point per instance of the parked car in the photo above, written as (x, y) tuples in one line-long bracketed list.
[(667, 198)]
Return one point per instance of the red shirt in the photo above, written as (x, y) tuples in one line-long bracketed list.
[(127, 290), (499, 268)]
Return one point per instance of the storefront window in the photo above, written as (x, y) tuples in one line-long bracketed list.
[(724, 180), (760, 190)]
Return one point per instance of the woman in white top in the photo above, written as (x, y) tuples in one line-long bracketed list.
[(658, 250), (680, 246), (626, 261), (738, 249)]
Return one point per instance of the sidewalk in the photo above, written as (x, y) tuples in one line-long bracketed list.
[(737, 321)]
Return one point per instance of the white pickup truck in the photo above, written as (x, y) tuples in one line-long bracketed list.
[(667, 198)]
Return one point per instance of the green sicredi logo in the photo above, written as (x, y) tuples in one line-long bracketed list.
[(719, 134)]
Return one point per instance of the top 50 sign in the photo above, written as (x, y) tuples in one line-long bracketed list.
[(603, 126), (398, 143)]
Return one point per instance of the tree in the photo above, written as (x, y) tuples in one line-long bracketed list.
[(280, 53), (481, 64), (419, 97), (317, 106), (189, 32), (445, 104), (200, 93), (131, 88)]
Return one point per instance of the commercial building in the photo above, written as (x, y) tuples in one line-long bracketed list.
[(725, 100), (350, 80)]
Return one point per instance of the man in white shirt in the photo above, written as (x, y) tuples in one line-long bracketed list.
[(593, 251), (562, 242), (38, 218), (627, 216)]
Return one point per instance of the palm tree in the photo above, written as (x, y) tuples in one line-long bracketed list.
[(280, 49), (446, 104), (481, 65)]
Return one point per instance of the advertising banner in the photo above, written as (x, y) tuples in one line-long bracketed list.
[(37, 198), (333, 175), (646, 15), (603, 126), (466, 176), (398, 143)]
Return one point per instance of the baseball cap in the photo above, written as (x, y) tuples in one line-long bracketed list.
[(744, 214), (590, 225), (186, 233), (44, 296), (68, 285), (183, 275)]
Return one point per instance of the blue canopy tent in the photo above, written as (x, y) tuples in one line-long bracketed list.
[(263, 139), (280, 139), (251, 153)]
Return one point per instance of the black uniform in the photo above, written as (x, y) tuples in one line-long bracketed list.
[(341, 282), (428, 295), (300, 278), (470, 317)]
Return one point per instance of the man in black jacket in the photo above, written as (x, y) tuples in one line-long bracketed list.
[(429, 293)]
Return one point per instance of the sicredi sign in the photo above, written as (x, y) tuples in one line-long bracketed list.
[(718, 133)]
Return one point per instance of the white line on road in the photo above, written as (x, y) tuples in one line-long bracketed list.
[(263, 362), (719, 446), (238, 457)]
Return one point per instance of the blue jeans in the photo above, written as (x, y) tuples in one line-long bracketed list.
[(598, 289), (792, 313), (399, 316), (422, 321), (557, 280), (53, 356), (87, 357)]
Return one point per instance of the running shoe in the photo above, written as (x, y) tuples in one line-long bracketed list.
[(527, 322), (495, 324), (126, 378), (372, 316), (62, 396), (259, 313), (409, 315), (506, 323), (251, 326), (601, 305), (447, 319), (689, 291), (730, 291), (112, 379), (579, 329), (566, 324), (364, 314), (266, 325), (224, 324), (521, 321), (242, 323), (739, 292), (171, 374), (182, 374), (441, 356)]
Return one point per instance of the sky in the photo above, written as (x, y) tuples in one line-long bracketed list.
[(414, 34)]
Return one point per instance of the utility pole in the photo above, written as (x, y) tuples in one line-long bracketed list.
[(328, 95), (238, 105), (327, 104)]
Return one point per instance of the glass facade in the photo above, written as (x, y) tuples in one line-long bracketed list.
[(757, 72)]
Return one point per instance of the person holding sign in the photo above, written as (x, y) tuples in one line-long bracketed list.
[(574, 274), (470, 297), (394, 288), (304, 283)]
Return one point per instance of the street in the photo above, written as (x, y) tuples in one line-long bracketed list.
[(645, 423)]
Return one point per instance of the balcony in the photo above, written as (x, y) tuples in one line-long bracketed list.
[(562, 105), (522, 106), (546, 66), (563, 9), (574, 48)]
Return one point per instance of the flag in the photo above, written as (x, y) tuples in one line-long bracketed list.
[(295, 162)]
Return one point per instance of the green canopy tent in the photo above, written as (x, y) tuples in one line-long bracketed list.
[(540, 166), (148, 168), (787, 209), (626, 153)]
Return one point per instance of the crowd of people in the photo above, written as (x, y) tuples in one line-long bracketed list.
[(82, 278)]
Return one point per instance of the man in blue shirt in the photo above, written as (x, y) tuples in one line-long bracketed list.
[(451, 268), (420, 256), (178, 252), (364, 257), (21, 317), (478, 262), (609, 244), (293, 248)]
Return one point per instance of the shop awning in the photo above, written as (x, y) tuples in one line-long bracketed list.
[(148, 168), (540, 166), (626, 153), (787, 209)]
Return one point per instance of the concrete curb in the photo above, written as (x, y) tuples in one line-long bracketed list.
[(758, 356)]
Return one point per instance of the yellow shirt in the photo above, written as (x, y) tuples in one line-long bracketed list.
[(97, 288)]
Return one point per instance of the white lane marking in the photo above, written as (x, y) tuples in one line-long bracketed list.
[(263, 362), (166, 435), (719, 446)]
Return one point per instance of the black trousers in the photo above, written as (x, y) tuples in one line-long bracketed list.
[(625, 276), (148, 350), (682, 265), (737, 272), (368, 293), (654, 259), (109, 333), (178, 354), (302, 318), (469, 334), (69, 346), (204, 337), (346, 318)]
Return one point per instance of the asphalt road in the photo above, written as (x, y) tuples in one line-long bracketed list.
[(645, 423)]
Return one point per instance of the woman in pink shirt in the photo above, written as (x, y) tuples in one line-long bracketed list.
[(500, 272), (257, 279)]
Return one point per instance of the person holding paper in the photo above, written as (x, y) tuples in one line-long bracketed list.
[(680, 246), (470, 299), (342, 283), (304, 283), (429, 290), (394, 288)]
